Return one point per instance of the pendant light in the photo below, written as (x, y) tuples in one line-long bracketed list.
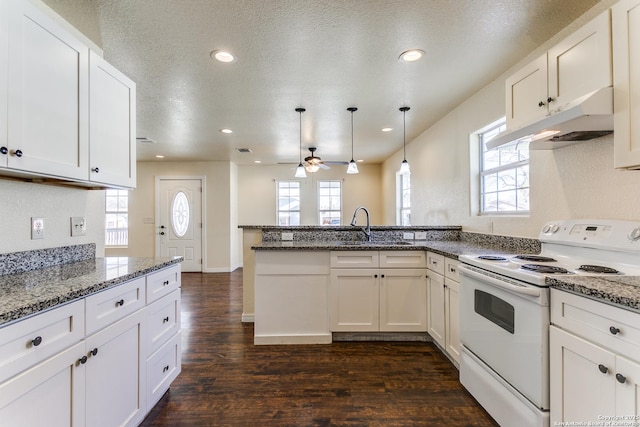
[(300, 173), (353, 167), (404, 166)]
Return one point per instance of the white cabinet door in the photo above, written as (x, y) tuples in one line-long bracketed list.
[(403, 300), (436, 298), (116, 377), (582, 383), (48, 96), (626, 69), (112, 118), (452, 318), (581, 63), (526, 94), (49, 394), (4, 70), (627, 390), (354, 300)]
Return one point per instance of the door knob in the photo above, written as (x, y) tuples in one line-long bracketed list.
[(162, 233), (4, 150)]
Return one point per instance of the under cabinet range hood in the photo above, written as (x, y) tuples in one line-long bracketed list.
[(588, 117)]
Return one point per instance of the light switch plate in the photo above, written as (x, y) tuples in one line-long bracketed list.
[(78, 226), (421, 235), (37, 228), (286, 236), (407, 236)]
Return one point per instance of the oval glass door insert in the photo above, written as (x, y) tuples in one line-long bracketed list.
[(180, 213)]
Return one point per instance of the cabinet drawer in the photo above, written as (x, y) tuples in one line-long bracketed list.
[(451, 269), (163, 320), (435, 262), (162, 368), (403, 259), (162, 282), (106, 307), (30, 341), (608, 326), (354, 259)]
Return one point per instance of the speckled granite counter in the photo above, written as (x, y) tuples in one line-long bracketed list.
[(23, 294), (622, 291)]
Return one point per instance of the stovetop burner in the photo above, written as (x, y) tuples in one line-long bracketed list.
[(535, 258), (492, 258), (546, 269), (598, 269)]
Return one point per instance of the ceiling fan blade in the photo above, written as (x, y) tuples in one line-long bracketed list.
[(323, 166)]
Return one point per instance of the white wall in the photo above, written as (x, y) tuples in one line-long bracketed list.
[(578, 181), (257, 193), (56, 204)]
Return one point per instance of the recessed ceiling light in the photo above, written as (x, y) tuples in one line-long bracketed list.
[(411, 55), (159, 156), (225, 130), (222, 56), (257, 161), (359, 161), (387, 129)]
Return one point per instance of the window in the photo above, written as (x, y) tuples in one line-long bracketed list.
[(330, 202), (117, 218), (288, 203), (403, 214), (504, 174)]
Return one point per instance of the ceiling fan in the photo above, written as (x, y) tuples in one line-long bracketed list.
[(312, 163)]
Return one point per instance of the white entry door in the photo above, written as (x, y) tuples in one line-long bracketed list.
[(179, 220)]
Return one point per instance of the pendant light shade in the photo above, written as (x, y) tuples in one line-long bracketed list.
[(353, 167), (300, 173), (404, 166)]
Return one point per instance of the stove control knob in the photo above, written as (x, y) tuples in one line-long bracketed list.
[(546, 229), (634, 235), (554, 228)]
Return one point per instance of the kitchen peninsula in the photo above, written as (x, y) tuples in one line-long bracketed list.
[(293, 277)]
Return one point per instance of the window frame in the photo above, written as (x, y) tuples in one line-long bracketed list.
[(401, 208), (319, 197), (116, 237), (288, 211), (502, 169)]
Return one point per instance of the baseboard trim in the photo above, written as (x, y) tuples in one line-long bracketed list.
[(292, 339)]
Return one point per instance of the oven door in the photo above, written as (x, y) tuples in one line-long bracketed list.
[(505, 323)]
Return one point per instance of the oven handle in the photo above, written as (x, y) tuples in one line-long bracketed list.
[(499, 283)]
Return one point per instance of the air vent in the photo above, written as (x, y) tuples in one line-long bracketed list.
[(244, 150), (145, 140)]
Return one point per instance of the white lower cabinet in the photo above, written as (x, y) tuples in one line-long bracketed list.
[(594, 362), (120, 357), (443, 290), (376, 299)]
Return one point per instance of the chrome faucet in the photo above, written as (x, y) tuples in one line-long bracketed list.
[(367, 230)]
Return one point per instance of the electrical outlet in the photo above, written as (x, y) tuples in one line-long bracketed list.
[(286, 236), (37, 228), (78, 226), (421, 235), (407, 236)]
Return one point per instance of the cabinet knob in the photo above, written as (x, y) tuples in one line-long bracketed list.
[(17, 153), (621, 378), (541, 104), (162, 233), (165, 283), (4, 150), (603, 368), (96, 170), (550, 99), (120, 303), (83, 360), (165, 320), (94, 352), (375, 276), (165, 369), (382, 275), (614, 330), (36, 341)]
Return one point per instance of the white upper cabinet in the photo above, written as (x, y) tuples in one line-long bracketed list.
[(112, 115), (4, 53), (577, 66), (47, 95), (626, 69)]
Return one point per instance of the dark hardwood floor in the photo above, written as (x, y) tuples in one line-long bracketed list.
[(227, 381)]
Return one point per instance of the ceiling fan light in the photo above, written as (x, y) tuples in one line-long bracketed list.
[(312, 167), (300, 173), (353, 167), (404, 168)]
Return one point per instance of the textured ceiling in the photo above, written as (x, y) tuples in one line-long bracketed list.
[(324, 55)]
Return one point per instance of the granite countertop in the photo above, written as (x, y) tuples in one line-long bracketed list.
[(448, 248), (349, 227), (623, 291), (23, 294)]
